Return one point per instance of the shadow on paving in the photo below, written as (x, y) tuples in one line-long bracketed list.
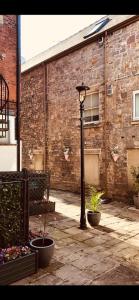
[(106, 254), (94, 256), (122, 275)]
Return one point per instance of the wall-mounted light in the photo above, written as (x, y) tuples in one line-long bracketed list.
[(2, 56), (66, 153), (30, 154), (109, 90)]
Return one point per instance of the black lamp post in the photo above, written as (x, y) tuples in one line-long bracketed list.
[(18, 80), (82, 94)]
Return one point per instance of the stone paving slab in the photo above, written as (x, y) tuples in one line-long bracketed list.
[(73, 276), (121, 275), (89, 257)]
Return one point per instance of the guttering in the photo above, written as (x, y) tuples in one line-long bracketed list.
[(105, 111), (18, 75), (45, 109), (86, 42)]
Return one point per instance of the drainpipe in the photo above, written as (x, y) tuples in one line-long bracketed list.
[(18, 76), (105, 112), (45, 109)]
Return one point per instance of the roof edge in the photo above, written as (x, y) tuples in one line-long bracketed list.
[(85, 42)]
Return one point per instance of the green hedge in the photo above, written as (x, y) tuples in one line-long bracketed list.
[(11, 214)]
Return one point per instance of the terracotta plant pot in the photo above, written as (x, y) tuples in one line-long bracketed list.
[(93, 217), (45, 250)]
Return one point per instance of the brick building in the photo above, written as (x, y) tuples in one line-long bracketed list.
[(105, 56), (8, 67)]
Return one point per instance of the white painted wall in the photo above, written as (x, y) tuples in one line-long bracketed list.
[(8, 149), (8, 158)]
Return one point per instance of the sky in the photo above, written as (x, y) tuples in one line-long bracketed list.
[(40, 32)]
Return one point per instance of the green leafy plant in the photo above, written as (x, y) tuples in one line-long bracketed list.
[(135, 175), (94, 200), (11, 214)]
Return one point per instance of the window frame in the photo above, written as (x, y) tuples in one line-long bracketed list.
[(97, 27), (10, 138), (90, 108), (134, 105)]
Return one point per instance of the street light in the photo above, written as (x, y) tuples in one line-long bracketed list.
[(82, 95)]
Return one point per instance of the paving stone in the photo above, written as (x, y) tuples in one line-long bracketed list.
[(48, 279), (102, 266), (65, 242), (97, 249), (120, 275), (127, 253), (73, 276), (58, 234), (96, 241), (24, 281), (73, 230), (72, 257), (82, 257), (89, 260), (133, 241), (83, 236)]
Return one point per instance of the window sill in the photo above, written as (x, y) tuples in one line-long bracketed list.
[(92, 125), (8, 144), (136, 122)]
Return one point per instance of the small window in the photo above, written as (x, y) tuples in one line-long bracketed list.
[(91, 108), (4, 137), (97, 27), (136, 105), (9, 136)]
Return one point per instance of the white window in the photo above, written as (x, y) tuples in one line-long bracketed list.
[(100, 24), (136, 105), (91, 108), (10, 134)]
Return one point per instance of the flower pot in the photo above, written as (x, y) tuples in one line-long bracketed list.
[(19, 268), (136, 201), (115, 156), (93, 218), (45, 249)]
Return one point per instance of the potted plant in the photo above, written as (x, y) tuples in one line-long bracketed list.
[(135, 175), (44, 244), (93, 214)]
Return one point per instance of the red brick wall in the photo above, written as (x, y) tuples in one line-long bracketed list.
[(8, 48), (62, 116)]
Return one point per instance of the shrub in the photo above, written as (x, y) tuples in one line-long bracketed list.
[(95, 199)]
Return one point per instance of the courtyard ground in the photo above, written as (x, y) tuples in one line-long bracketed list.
[(105, 255)]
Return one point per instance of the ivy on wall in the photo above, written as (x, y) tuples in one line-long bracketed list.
[(11, 214)]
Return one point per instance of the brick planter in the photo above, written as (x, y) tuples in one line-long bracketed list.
[(19, 268)]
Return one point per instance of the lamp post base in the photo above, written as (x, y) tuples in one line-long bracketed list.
[(83, 226)]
